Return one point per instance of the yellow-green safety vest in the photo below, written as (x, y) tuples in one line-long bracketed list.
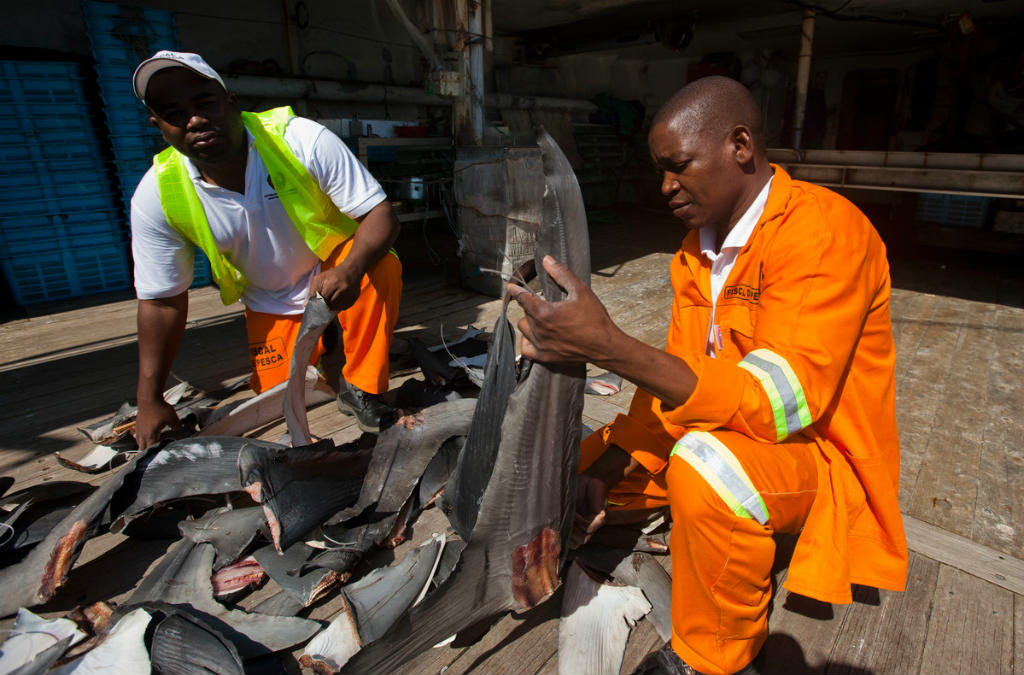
[(319, 222)]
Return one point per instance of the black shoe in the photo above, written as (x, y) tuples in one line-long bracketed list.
[(372, 413), (664, 661)]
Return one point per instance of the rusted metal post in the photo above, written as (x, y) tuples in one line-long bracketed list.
[(291, 36), (803, 76), (488, 25), (468, 108), (417, 36), (476, 71)]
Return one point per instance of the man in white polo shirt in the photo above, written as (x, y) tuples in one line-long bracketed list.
[(283, 210)]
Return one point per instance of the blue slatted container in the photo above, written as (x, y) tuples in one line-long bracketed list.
[(62, 233), (71, 273), (120, 38), (955, 210), (31, 234)]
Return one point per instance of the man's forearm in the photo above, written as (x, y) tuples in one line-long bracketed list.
[(579, 329), (377, 232), (665, 376), (161, 324)]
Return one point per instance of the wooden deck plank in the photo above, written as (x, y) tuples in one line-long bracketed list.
[(639, 298), (105, 389), (601, 409), (999, 569), (516, 643), (1018, 634), (910, 314), (592, 422), (925, 385), (80, 389), (472, 304), (54, 335), (803, 634), (643, 639), (528, 644), (1000, 505), (913, 445), (550, 666), (435, 660), (971, 626), (885, 631), (790, 648), (947, 485), (997, 517)]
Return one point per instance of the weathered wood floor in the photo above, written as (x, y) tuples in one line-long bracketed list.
[(960, 375)]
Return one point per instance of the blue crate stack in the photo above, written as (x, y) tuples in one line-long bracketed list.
[(61, 231), (121, 37), (955, 210)]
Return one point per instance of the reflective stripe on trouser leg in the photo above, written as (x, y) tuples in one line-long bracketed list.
[(780, 383), (723, 472)]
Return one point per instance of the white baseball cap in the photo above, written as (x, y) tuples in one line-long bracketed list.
[(168, 59)]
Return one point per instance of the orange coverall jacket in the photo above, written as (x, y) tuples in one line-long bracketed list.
[(811, 285)]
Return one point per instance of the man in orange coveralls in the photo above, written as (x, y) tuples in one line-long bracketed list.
[(772, 407)]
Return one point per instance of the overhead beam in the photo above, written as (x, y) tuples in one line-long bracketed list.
[(612, 29), (980, 175), (331, 90)]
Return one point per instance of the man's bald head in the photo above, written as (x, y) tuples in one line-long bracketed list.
[(708, 144), (712, 107)]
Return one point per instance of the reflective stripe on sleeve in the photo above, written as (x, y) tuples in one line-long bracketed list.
[(789, 407), (719, 467)]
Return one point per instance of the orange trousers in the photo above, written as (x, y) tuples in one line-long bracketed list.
[(721, 562), (367, 327)]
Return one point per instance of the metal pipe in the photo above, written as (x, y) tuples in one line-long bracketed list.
[(461, 23), (462, 116), (803, 76), (513, 101), (489, 25), (261, 86), (416, 35), (949, 173), (476, 72), (327, 90), (960, 161), (291, 37)]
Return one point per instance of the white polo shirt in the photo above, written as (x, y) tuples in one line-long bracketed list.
[(723, 261), (252, 230)]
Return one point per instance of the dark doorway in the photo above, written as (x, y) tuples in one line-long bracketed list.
[(866, 113)]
